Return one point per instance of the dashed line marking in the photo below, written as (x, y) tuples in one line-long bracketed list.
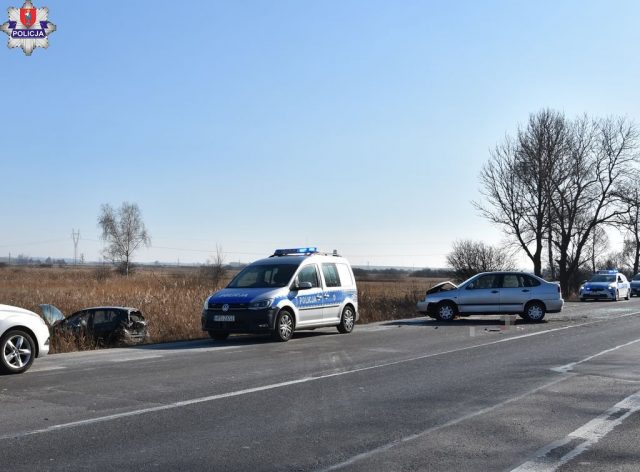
[(563, 369), (554, 455)]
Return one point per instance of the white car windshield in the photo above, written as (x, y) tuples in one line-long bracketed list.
[(603, 278)]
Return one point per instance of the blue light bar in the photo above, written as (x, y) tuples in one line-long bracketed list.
[(608, 271), (295, 251)]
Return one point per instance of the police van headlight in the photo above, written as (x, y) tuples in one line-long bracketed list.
[(206, 304), (261, 304)]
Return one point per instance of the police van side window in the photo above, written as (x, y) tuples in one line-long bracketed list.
[(331, 277), (346, 280), (309, 274)]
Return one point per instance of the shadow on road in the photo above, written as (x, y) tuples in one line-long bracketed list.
[(233, 340), (489, 322)]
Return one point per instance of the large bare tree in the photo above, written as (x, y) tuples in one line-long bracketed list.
[(124, 232), (629, 221), (515, 183), (585, 188), (556, 182)]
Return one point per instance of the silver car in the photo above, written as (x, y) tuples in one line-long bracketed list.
[(493, 293)]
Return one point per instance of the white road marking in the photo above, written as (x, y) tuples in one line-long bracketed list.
[(135, 358), (45, 368), (568, 367), (585, 437), (236, 393), (386, 447)]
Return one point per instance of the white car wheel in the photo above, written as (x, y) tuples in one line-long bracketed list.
[(17, 351)]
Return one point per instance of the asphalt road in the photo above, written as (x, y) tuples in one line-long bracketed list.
[(476, 394)]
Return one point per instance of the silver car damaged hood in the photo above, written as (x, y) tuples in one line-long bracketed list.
[(442, 287)]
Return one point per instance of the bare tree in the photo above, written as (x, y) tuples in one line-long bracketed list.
[(214, 270), (601, 158), (124, 232), (621, 260), (468, 258), (629, 221), (596, 247), (556, 182), (516, 183)]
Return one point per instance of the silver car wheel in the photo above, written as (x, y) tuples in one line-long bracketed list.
[(446, 312), (535, 312), (16, 351)]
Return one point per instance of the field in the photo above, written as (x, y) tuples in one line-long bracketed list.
[(170, 299)]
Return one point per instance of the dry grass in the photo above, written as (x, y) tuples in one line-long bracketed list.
[(171, 300)]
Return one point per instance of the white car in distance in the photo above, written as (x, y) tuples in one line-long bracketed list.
[(23, 336)]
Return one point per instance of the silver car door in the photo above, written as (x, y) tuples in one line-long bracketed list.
[(514, 293), (481, 295)]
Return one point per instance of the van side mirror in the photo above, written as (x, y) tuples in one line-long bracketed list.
[(302, 285)]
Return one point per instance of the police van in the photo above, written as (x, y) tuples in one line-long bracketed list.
[(293, 289)]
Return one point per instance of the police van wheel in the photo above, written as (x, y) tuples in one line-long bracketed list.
[(219, 335), (284, 326), (347, 320)]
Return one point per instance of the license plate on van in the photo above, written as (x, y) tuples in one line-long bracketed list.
[(224, 318)]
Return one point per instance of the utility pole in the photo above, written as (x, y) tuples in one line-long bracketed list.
[(76, 237)]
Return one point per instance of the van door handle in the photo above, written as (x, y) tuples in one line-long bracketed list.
[(526, 290), (494, 291)]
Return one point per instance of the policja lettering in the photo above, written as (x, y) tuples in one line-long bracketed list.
[(28, 33)]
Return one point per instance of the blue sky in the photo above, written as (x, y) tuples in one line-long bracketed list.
[(355, 125)]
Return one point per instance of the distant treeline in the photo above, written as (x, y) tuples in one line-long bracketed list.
[(393, 273)]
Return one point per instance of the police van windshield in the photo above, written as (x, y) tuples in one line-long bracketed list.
[(263, 276)]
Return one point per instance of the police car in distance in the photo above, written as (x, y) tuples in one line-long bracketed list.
[(606, 285), (293, 289)]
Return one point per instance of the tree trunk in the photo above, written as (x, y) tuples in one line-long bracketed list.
[(563, 273)]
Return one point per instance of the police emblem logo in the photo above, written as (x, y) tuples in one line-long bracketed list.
[(28, 27), (225, 307)]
